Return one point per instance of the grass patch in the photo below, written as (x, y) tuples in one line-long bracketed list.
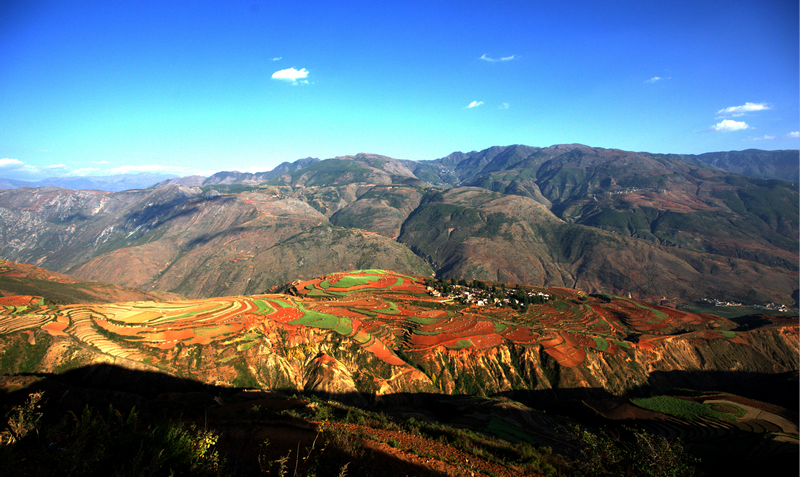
[(687, 409), (460, 344), (600, 343), (348, 281), (262, 307), (622, 344), (340, 325)]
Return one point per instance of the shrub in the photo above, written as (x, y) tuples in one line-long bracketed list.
[(117, 444), (23, 420), (640, 453)]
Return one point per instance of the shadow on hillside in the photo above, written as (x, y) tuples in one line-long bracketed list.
[(123, 388), (206, 238), (230, 411), (244, 418), (780, 389)]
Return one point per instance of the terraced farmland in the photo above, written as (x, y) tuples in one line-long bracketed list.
[(384, 312)]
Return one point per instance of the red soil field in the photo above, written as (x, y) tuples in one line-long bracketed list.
[(377, 316), (18, 300)]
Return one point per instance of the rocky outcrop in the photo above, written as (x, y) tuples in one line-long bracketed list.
[(339, 367)]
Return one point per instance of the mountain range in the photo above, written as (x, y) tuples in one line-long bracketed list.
[(782, 164), (656, 227)]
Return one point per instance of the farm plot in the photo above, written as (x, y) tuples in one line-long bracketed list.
[(377, 309)]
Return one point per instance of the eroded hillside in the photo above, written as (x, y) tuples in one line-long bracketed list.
[(370, 334)]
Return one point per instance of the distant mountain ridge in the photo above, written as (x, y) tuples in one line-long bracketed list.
[(460, 168), (779, 164), (112, 183)]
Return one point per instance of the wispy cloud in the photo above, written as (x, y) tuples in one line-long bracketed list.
[(655, 79), (138, 168), (792, 134), (277, 58), (727, 125), (84, 171), (474, 104), (132, 169), (745, 108), (765, 137), (291, 75), (495, 60), (8, 165), (504, 106), (16, 168)]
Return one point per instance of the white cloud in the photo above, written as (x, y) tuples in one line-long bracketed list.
[(495, 60), (291, 75), (762, 138), (277, 58), (792, 134), (654, 79), (504, 106), (56, 166), (10, 163), (727, 125), (745, 108), (15, 165), (474, 104)]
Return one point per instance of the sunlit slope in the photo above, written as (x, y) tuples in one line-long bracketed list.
[(374, 332), (52, 287)]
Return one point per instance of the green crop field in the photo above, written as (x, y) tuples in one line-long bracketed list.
[(685, 409)]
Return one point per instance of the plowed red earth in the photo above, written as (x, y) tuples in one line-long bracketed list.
[(431, 455), (379, 311)]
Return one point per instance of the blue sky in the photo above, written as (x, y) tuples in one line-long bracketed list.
[(185, 87)]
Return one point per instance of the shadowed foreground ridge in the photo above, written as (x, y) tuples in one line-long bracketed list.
[(418, 434)]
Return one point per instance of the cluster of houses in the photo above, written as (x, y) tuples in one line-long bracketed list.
[(768, 306), (487, 297), (633, 190)]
